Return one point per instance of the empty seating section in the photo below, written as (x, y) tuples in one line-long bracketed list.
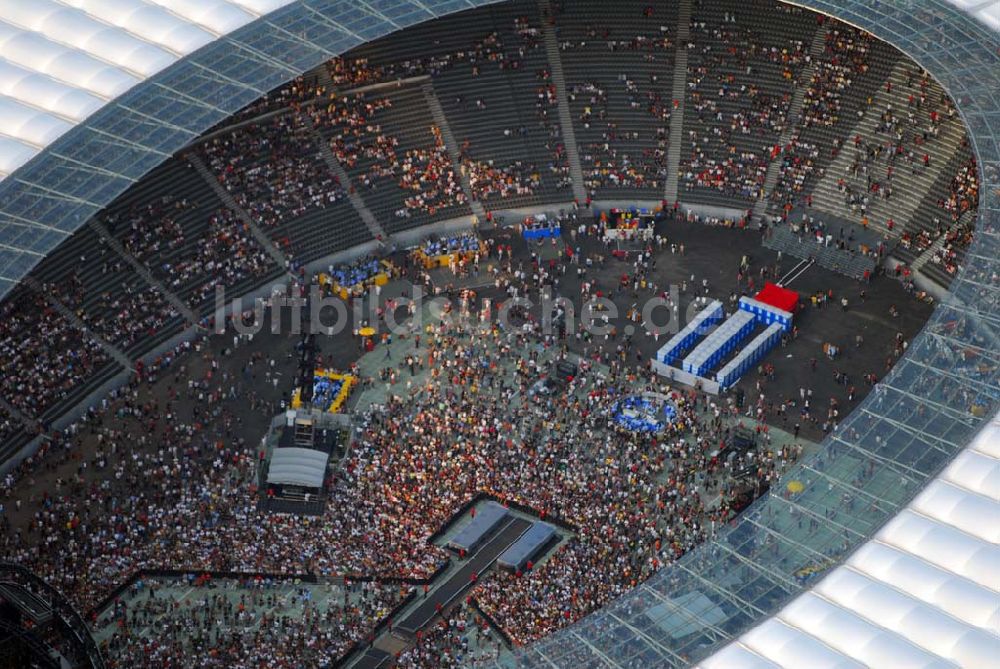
[(618, 60), (749, 356), (108, 295), (693, 331), (187, 239), (489, 71), (394, 156), (848, 74), (46, 363), (743, 60), (719, 343)]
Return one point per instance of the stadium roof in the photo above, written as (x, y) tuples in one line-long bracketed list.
[(62, 60), (96, 93), (923, 592)]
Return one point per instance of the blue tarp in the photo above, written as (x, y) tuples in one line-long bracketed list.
[(527, 547), (488, 517)]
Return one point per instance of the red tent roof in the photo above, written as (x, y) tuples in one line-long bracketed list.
[(778, 297)]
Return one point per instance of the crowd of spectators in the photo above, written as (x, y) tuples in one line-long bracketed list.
[(619, 160), (150, 230), (225, 255), (900, 147), (273, 169), (845, 60), (202, 622), (489, 181), (127, 313), (429, 178), (963, 191), (43, 357), (171, 482), (351, 126), (623, 117), (949, 254), (738, 96), (460, 639)]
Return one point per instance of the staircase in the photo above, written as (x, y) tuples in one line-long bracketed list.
[(113, 352), (323, 77), (679, 91), (304, 434), (345, 182), (565, 117), (437, 113), (909, 188), (142, 271), (926, 256), (265, 242), (854, 265), (792, 120)]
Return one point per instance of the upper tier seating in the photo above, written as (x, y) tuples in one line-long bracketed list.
[(491, 76), (108, 295), (743, 61), (852, 68), (394, 156), (187, 239), (619, 65), (894, 155), (46, 363)]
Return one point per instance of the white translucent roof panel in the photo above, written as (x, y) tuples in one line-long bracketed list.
[(735, 655), (987, 11), (42, 91), (219, 16), (30, 125), (62, 60), (148, 22), (918, 622), (924, 592), (958, 597), (791, 648), (13, 154)]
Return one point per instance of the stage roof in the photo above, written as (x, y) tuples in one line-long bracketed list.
[(297, 466)]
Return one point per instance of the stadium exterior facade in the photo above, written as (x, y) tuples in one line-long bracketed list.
[(870, 479)]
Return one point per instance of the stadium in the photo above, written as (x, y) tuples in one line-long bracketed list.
[(513, 334)]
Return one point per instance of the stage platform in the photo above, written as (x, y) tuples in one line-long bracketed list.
[(461, 579), (374, 659)]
